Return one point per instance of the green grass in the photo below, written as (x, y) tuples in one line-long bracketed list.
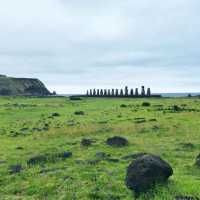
[(22, 124)]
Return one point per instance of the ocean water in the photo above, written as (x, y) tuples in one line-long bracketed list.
[(179, 94)]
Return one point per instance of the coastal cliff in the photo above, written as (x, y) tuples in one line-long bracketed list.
[(10, 86)]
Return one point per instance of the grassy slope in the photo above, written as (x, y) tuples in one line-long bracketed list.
[(103, 118)]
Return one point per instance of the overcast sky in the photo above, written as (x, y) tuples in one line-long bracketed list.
[(72, 45)]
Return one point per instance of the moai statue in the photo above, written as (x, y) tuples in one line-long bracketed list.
[(136, 92), (132, 92), (121, 93), (148, 92), (109, 92), (142, 91), (126, 91), (113, 92), (98, 92), (87, 94), (116, 92), (94, 92), (105, 92), (90, 92), (101, 92)]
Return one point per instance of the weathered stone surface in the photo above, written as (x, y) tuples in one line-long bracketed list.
[(14, 169), (136, 92), (86, 142), (146, 104), (145, 172), (176, 108), (198, 160), (79, 113), (117, 141), (55, 114), (41, 159), (74, 98)]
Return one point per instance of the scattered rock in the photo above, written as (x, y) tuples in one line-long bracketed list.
[(153, 120), (92, 162), (37, 160), (63, 155), (24, 129), (73, 98), (146, 104), (145, 171), (198, 160), (117, 141), (188, 145), (79, 113), (176, 108), (2, 161), (86, 142), (41, 159), (139, 118), (55, 115), (123, 106), (14, 169), (19, 148), (115, 160)]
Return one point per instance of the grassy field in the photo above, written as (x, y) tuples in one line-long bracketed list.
[(28, 129)]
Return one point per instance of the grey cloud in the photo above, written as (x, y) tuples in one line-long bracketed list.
[(75, 44)]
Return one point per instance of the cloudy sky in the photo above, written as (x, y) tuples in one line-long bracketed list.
[(72, 45)]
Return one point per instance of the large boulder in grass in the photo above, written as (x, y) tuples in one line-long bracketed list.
[(198, 160), (117, 141), (145, 172)]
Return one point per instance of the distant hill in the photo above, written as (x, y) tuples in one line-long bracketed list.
[(22, 86)]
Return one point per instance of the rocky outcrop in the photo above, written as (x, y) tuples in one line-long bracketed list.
[(22, 86), (146, 171)]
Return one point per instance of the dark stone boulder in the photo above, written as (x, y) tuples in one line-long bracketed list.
[(42, 159), (198, 160), (176, 108), (86, 142), (74, 98), (188, 146), (146, 104), (145, 172), (117, 141), (114, 160), (63, 155), (37, 160), (79, 113), (123, 105), (93, 162), (14, 169), (19, 148), (55, 115)]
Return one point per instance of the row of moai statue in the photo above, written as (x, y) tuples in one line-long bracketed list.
[(119, 92)]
